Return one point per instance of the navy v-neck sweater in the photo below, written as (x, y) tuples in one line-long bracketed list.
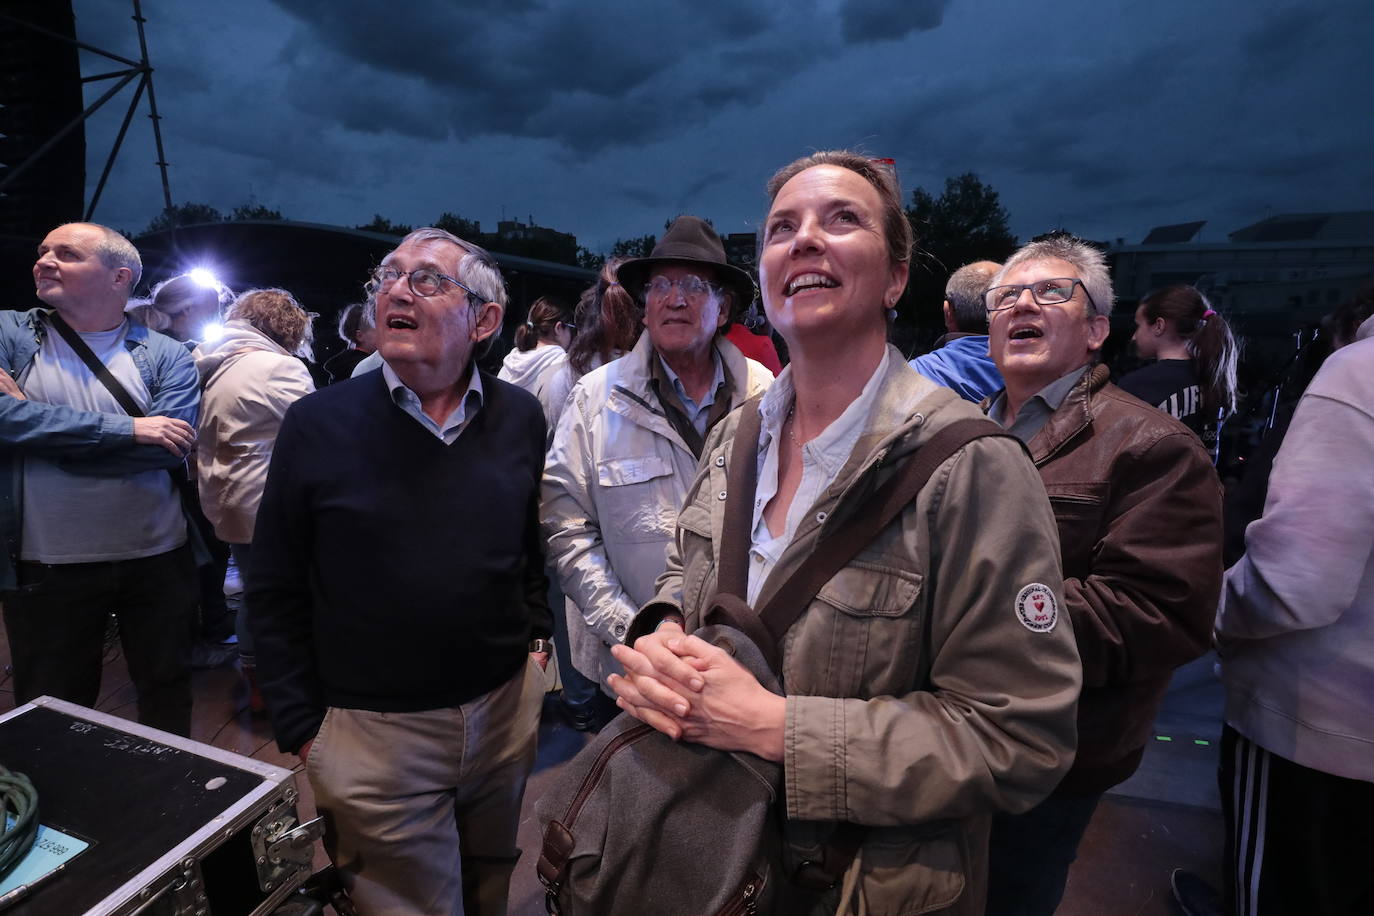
[(393, 572)]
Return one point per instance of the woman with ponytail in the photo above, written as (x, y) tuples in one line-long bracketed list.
[(1193, 377), (610, 322), (540, 354)]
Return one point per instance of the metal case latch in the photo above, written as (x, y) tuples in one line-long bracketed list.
[(282, 846)]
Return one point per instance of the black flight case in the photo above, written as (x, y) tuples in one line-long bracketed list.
[(174, 827)]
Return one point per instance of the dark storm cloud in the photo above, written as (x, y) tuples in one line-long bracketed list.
[(694, 190), (605, 118), (1281, 43), (645, 198), (889, 20), (619, 74)]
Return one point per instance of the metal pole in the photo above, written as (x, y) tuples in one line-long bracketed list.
[(72, 125), (114, 151), (152, 107), (140, 68)]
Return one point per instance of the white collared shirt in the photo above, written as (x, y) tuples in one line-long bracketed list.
[(822, 460), (457, 421)]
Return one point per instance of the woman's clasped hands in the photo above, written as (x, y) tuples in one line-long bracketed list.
[(691, 690)]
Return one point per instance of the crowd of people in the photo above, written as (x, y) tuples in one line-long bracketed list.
[(418, 538)]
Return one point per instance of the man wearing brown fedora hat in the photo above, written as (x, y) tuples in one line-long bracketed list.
[(627, 445)]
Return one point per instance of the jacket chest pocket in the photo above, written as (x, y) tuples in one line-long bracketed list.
[(637, 500), (862, 634), (1078, 512)]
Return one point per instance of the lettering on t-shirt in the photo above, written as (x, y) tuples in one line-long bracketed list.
[(1182, 403)]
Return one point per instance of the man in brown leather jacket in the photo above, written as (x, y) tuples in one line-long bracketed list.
[(1138, 507)]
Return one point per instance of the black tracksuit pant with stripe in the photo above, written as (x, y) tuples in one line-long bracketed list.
[(1299, 842)]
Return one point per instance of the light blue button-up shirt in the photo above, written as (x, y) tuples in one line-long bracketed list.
[(457, 421), (697, 413)]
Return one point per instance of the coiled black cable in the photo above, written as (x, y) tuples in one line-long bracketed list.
[(18, 800)]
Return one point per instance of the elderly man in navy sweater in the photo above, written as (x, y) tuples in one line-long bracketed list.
[(397, 594)]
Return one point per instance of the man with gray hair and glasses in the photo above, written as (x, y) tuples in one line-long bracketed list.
[(398, 594), (1138, 507), (960, 360), (95, 411)]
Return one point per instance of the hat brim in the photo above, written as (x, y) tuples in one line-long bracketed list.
[(634, 274)]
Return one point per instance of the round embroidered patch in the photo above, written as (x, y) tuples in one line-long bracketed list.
[(1037, 608)]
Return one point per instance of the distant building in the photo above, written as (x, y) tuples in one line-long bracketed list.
[(514, 230), (741, 249), (1270, 277)]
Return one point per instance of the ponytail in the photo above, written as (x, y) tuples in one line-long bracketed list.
[(541, 323), (1208, 338), (609, 321)]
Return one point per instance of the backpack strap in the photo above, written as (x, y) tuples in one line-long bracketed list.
[(741, 482), (732, 575)]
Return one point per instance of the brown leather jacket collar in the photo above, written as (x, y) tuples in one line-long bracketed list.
[(1072, 417)]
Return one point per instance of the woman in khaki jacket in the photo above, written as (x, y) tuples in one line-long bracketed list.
[(922, 691)]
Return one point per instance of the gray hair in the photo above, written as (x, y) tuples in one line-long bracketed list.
[(476, 268), (1086, 260), (964, 293), (115, 251)]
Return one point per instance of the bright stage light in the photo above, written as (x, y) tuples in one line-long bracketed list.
[(212, 331), (203, 277)]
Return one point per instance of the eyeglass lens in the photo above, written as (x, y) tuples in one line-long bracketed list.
[(422, 282), (692, 287), (1044, 292)]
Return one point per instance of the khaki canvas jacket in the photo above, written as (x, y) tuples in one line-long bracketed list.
[(869, 738), (249, 382), (1138, 506), (614, 479)]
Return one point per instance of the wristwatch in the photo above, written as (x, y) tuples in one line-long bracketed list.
[(541, 645)]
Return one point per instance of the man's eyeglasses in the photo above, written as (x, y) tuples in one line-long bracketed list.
[(693, 287), (1056, 291), (423, 282)]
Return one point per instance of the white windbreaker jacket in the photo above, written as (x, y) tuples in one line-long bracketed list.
[(614, 479)]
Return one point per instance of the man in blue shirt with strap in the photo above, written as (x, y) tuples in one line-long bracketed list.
[(960, 359), (91, 519)]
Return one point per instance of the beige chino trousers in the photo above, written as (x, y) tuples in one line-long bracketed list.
[(421, 808)]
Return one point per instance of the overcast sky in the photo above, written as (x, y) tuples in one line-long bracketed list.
[(605, 117)]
